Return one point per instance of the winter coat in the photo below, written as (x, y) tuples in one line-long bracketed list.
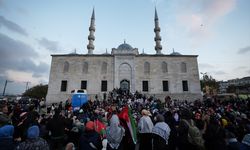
[(89, 140)]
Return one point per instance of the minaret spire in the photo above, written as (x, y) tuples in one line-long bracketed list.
[(157, 30), (91, 36)]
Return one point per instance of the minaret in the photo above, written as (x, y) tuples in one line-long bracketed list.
[(91, 36), (157, 30)]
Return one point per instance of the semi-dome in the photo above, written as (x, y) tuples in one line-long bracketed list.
[(125, 46)]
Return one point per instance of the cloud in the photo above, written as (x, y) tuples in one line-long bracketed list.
[(240, 68), (21, 77), (244, 50), (17, 56), (22, 11), (12, 26), (219, 72), (198, 17), (48, 44), (204, 65), (2, 3)]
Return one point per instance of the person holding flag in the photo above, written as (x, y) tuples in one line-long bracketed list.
[(129, 124)]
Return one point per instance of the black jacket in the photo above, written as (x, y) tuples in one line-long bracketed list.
[(90, 138)]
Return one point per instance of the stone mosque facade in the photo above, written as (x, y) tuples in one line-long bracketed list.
[(158, 74)]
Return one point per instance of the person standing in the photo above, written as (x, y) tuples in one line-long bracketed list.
[(145, 127), (161, 132), (33, 141), (6, 137), (115, 134), (56, 126), (90, 139), (4, 118)]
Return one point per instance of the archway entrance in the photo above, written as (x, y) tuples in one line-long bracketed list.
[(125, 85)]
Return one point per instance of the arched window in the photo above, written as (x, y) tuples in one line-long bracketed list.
[(146, 68), (85, 67), (66, 66), (164, 67), (104, 67), (183, 67)]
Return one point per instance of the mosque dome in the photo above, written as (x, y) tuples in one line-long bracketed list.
[(175, 53), (125, 46)]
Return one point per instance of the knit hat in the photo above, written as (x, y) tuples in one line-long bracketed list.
[(33, 132), (7, 131), (90, 125)]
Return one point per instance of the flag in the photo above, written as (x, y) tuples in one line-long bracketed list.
[(100, 128), (126, 115)]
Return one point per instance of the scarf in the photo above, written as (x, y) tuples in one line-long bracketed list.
[(145, 124), (162, 129), (115, 132)]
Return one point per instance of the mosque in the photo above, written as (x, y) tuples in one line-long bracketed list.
[(158, 74)]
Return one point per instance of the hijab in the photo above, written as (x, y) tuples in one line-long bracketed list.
[(145, 124), (115, 132), (161, 128)]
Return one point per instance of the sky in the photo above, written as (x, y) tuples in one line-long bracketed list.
[(31, 30)]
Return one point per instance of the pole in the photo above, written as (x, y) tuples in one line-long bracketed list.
[(27, 85), (5, 87)]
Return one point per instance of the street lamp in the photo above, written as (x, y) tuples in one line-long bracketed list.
[(5, 85)]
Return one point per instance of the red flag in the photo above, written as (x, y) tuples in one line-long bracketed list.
[(124, 114), (100, 128)]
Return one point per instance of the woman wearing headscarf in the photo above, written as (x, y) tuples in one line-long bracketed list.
[(115, 134), (189, 136), (160, 133), (145, 127), (33, 141)]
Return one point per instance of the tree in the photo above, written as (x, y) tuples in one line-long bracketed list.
[(38, 91), (208, 84)]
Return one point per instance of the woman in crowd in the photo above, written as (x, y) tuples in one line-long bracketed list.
[(161, 132), (115, 134), (145, 127)]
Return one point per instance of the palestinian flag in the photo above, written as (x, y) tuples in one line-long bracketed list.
[(126, 115), (100, 128)]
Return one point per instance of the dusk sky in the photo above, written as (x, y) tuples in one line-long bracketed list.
[(31, 30)]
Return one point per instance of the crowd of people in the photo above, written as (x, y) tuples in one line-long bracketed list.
[(125, 121)]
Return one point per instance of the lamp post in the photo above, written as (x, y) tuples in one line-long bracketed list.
[(5, 85)]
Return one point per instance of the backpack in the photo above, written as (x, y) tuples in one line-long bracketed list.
[(194, 135)]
